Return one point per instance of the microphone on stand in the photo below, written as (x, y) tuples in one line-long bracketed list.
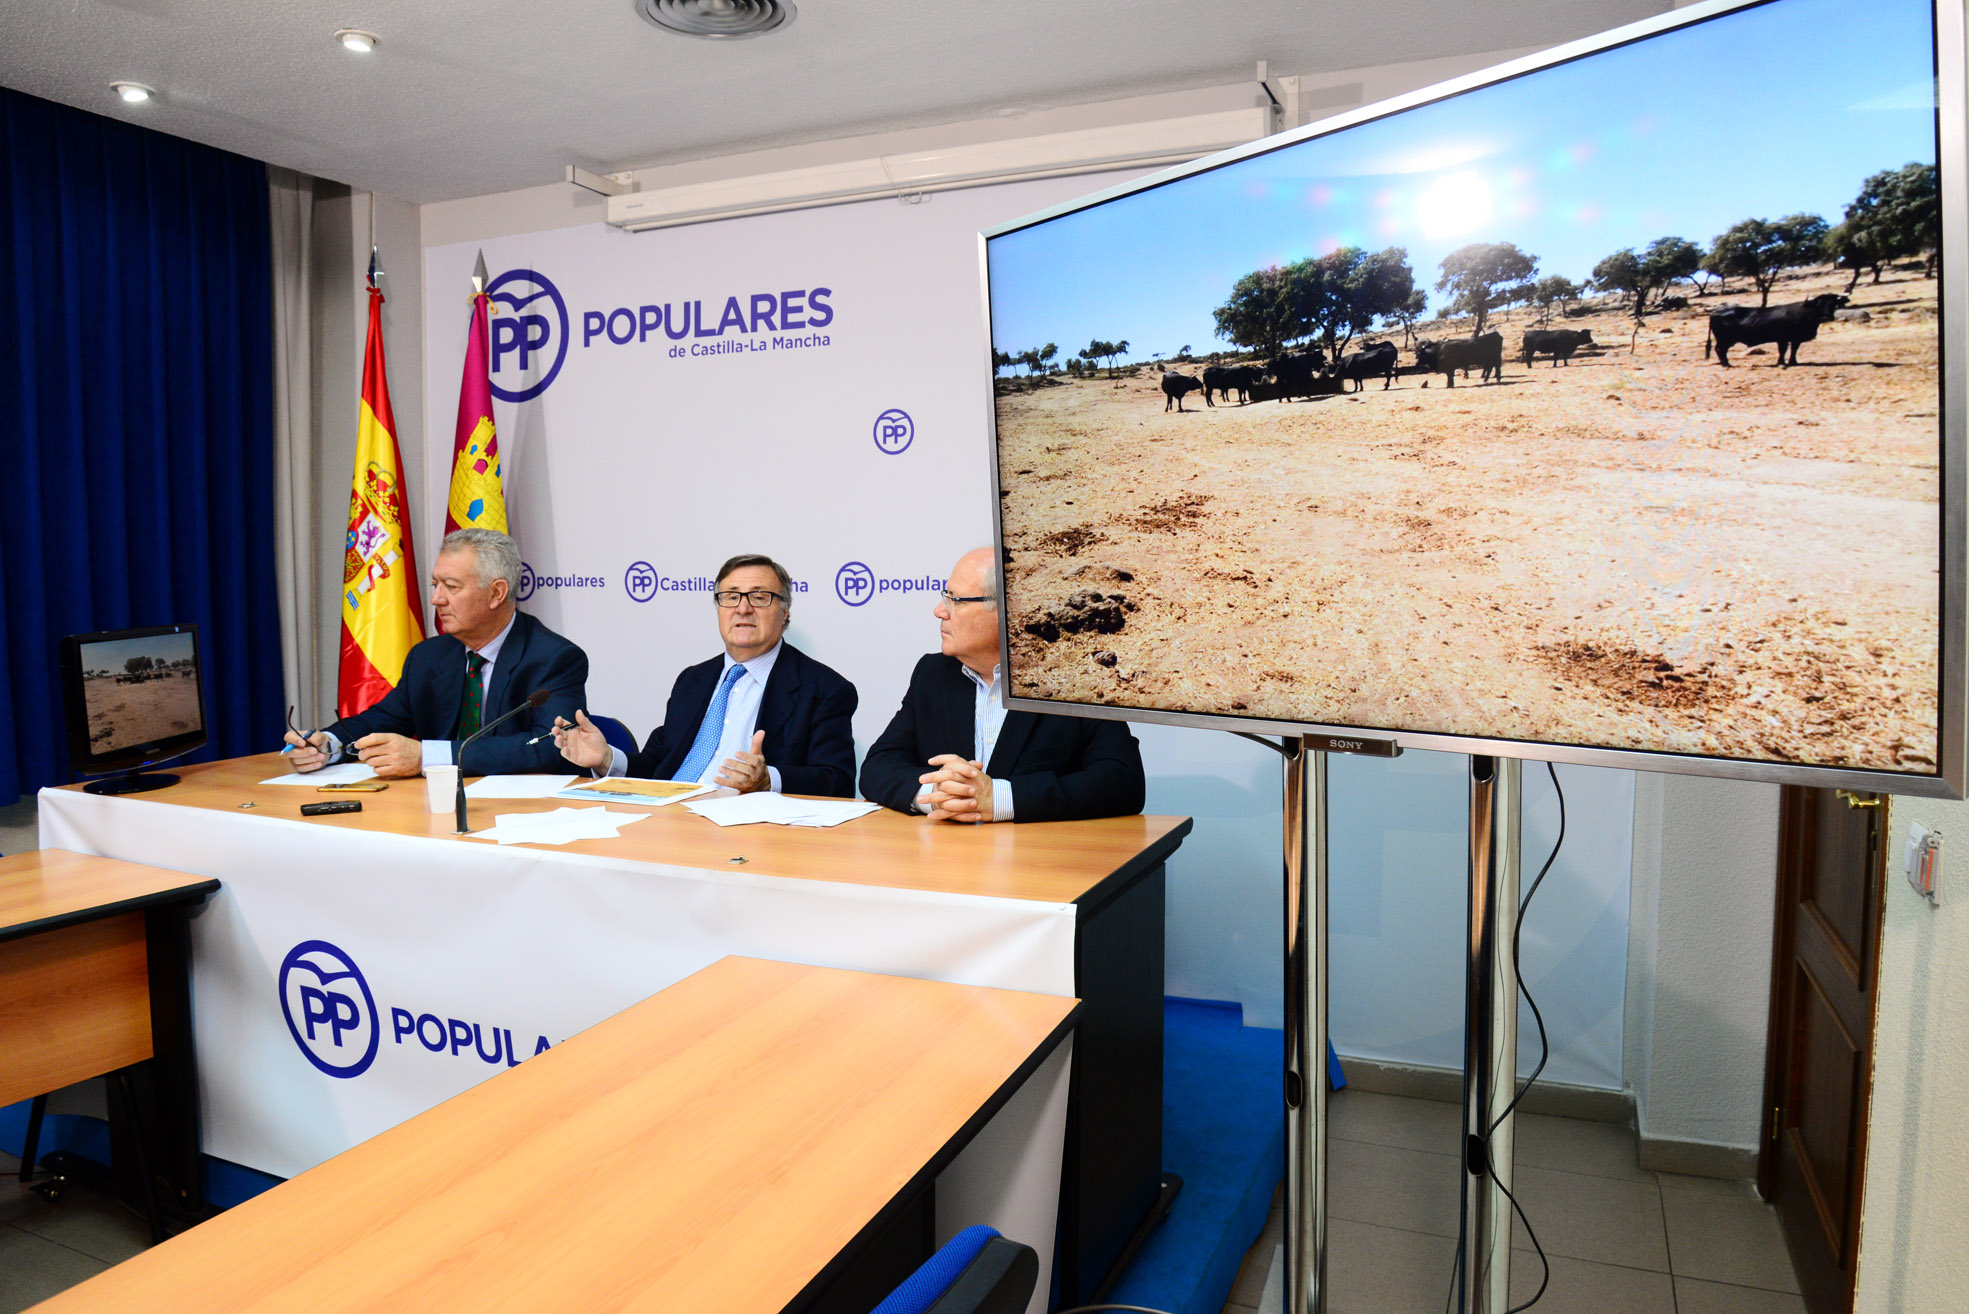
[(536, 699)]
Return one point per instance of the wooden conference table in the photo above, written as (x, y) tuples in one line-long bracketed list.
[(749, 1139), (1106, 876), (94, 964)]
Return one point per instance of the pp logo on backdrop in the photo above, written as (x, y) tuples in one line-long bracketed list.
[(854, 584), (528, 582), (329, 1010), (894, 431), (640, 580), (529, 344)]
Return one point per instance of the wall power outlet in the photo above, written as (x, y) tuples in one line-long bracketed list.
[(1924, 862)]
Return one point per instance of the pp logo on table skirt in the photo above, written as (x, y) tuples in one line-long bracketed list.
[(329, 1010)]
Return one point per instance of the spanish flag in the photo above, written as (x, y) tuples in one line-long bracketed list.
[(478, 500), (381, 614)]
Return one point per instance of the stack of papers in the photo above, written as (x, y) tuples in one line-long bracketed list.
[(620, 789), (748, 809), (558, 826)]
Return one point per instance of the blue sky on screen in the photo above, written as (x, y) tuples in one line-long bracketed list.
[(1758, 114), (159, 647)]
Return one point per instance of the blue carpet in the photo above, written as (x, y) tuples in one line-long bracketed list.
[(1223, 1133)]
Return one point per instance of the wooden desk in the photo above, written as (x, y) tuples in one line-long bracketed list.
[(94, 976), (1053, 862), (735, 1142), (886, 875)]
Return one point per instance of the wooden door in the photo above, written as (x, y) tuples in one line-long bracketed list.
[(1818, 1075)]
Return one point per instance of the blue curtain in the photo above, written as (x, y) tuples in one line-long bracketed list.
[(136, 418)]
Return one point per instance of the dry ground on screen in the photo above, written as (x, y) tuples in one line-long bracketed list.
[(1638, 550), (140, 713)]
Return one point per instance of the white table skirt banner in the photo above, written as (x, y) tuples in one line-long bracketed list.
[(344, 981)]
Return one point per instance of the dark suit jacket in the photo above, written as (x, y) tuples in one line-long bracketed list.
[(807, 713), (427, 700), (1062, 768)]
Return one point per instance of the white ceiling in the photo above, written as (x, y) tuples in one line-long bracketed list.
[(466, 97)]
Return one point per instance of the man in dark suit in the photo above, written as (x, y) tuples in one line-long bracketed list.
[(764, 715), (985, 763), (488, 659)]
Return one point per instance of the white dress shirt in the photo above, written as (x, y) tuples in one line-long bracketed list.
[(987, 721), (741, 718)]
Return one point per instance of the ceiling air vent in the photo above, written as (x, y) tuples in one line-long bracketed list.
[(721, 20)]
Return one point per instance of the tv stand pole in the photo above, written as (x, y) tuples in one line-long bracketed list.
[(1305, 1027), (1490, 1045), (1490, 1036)]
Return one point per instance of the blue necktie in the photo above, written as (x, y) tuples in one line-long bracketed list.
[(713, 729)]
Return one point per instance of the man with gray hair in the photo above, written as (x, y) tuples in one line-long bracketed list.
[(487, 659), (954, 753)]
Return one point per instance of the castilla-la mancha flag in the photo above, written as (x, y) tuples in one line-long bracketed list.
[(478, 500), (381, 614)]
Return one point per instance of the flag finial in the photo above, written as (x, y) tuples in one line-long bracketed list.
[(376, 274), (479, 276)]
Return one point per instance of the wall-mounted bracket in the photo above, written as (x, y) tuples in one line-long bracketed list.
[(601, 184)]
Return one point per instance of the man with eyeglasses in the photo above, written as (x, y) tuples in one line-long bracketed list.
[(953, 753), (762, 716)]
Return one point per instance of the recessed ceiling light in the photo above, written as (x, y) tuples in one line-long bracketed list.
[(134, 93), (358, 40), (721, 20)]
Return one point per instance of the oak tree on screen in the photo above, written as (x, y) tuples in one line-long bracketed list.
[(1485, 276)]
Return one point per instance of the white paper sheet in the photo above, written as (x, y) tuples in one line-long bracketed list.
[(750, 809), (518, 786), (557, 827), (342, 773)]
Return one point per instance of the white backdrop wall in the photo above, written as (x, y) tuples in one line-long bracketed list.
[(1398, 903), (632, 454), (1705, 894)]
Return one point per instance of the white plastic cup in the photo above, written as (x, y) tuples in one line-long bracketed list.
[(441, 787)]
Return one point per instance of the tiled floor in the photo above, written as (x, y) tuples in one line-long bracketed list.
[(1620, 1240), (46, 1248)]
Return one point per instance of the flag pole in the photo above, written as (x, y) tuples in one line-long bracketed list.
[(382, 615), (477, 497)]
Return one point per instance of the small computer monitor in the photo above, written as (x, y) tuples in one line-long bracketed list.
[(133, 698)]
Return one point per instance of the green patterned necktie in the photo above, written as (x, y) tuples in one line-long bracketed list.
[(474, 713)]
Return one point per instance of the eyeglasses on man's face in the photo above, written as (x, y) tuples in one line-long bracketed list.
[(952, 599), (760, 598)]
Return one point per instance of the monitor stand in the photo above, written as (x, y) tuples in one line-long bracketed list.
[(132, 783)]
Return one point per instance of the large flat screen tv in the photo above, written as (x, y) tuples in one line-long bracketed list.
[(1606, 406)]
